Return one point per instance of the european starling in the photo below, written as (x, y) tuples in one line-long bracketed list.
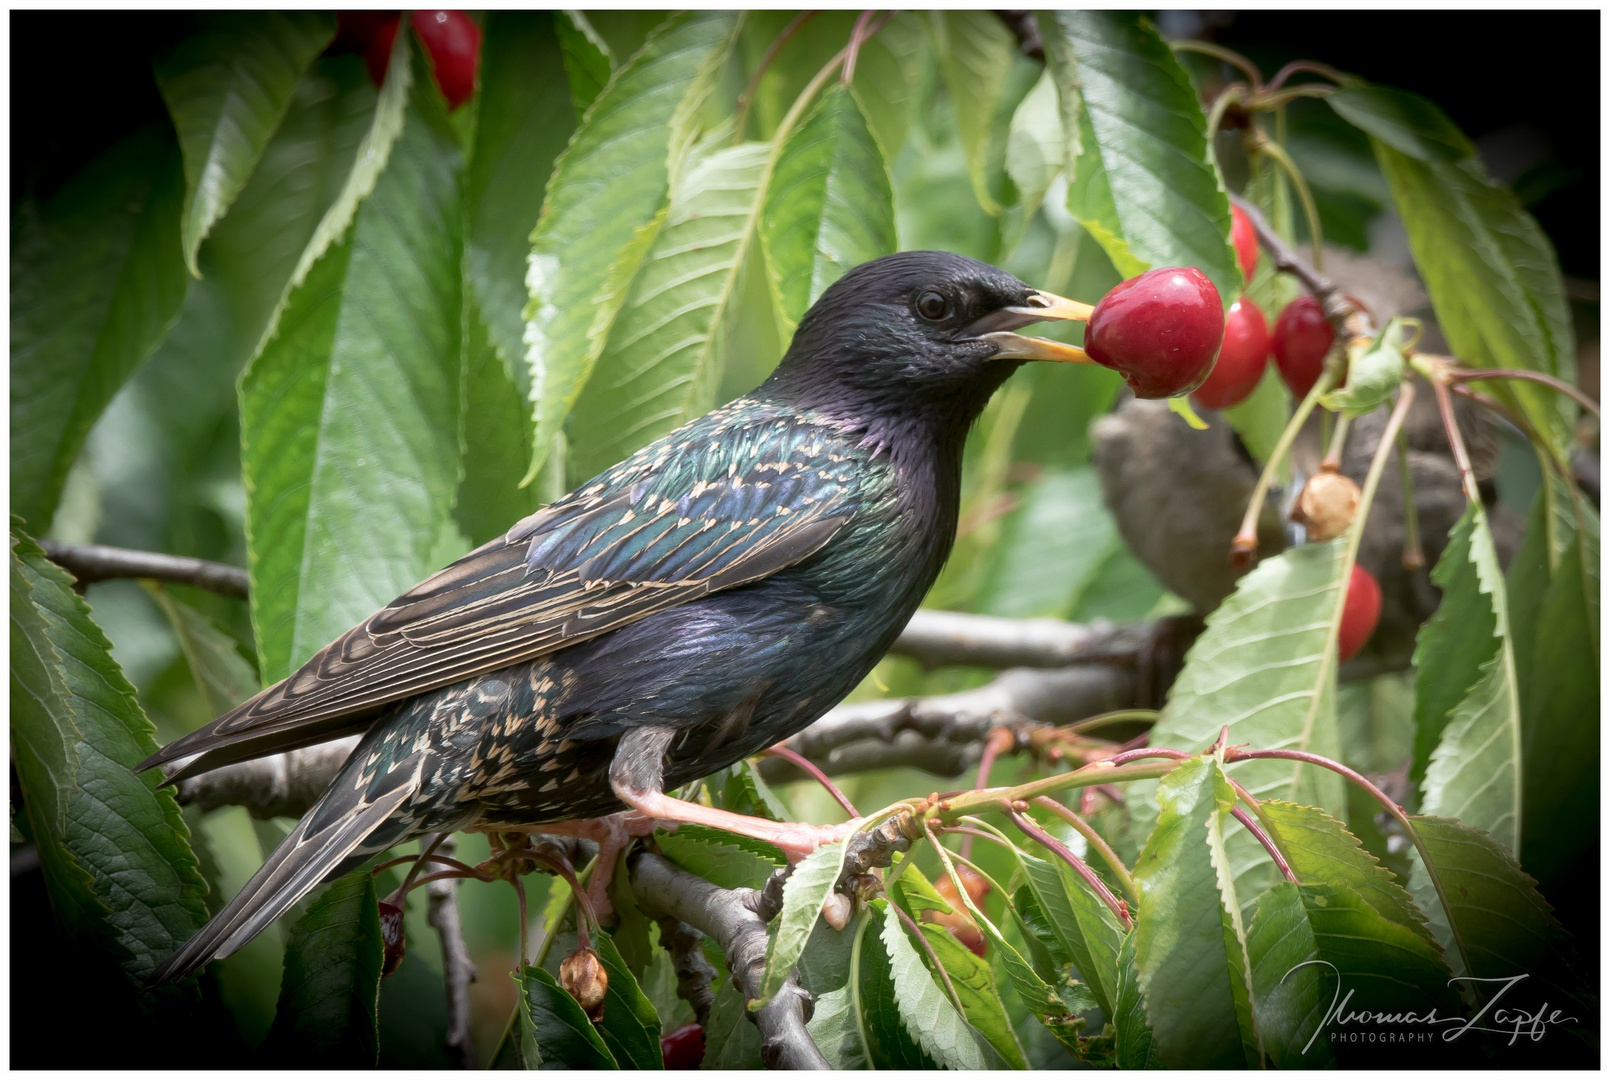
[(700, 601)]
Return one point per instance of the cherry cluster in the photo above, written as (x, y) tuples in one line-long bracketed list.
[(452, 42)]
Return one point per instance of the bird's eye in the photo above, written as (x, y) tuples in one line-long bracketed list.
[(932, 306)]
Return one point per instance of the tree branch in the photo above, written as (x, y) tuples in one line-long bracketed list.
[(1338, 308), (727, 917), (282, 785), (944, 735), (457, 970), (93, 562), (939, 638)]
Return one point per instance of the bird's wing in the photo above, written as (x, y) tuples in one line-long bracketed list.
[(675, 522)]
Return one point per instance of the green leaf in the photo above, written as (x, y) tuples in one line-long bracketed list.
[(976, 54), (1493, 277), (227, 87), (1179, 939), (605, 201), (662, 365), (1474, 772), (1287, 982), (1052, 547), (829, 205), (97, 278), (1142, 177), (740, 788), (1560, 716), (224, 677), (113, 848), (1133, 1043), (1033, 991), (554, 1032), (1320, 851), (374, 152), (521, 126), (836, 1030), (970, 975), (1086, 931), (630, 1027), (889, 1045), (331, 988), (807, 889), (1505, 927), (1374, 371), (888, 71), (723, 858), (731, 1040), (1408, 123), (1036, 148), (924, 1007), (349, 415), (494, 435), (1266, 667), (1314, 945), (587, 60), (1232, 925)]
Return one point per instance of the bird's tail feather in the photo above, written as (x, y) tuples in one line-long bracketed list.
[(325, 837)]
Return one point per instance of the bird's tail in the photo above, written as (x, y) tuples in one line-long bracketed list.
[(350, 812)]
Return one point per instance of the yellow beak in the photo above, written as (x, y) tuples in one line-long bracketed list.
[(1041, 307)]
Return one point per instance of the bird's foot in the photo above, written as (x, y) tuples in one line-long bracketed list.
[(613, 834)]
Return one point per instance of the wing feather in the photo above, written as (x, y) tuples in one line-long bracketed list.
[(657, 531)]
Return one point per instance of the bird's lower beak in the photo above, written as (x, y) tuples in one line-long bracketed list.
[(1040, 307)]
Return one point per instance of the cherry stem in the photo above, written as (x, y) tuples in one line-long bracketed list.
[(1265, 145), (1079, 866), (1228, 56), (1268, 100), (1456, 440), (806, 766), (1229, 96), (1397, 812), (747, 97), (1338, 441), (525, 929), (854, 49), (1094, 839), (999, 742), (933, 957), (1311, 67), (1414, 556), (1115, 717), (1245, 545), (1560, 386), (1263, 838)]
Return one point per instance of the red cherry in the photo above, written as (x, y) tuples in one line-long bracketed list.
[(1245, 239), (453, 42), (1241, 358), (1160, 331), (377, 53), (1360, 612), (683, 1048), (1302, 338)]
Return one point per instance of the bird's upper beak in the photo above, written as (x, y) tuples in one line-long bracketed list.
[(998, 328)]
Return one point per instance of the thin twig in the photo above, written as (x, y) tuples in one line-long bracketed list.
[(805, 765), (1096, 842), (1338, 308), (1414, 556), (1268, 844), (90, 563), (747, 97), (1559, 386), (1078, 865)]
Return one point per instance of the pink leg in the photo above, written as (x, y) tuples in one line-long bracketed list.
[(797, 840)]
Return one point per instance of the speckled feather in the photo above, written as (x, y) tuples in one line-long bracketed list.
[(731, 582)]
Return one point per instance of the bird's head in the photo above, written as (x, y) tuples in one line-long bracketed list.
[(922, 333)]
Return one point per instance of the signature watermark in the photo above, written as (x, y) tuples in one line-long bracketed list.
[(1494, 1017)]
